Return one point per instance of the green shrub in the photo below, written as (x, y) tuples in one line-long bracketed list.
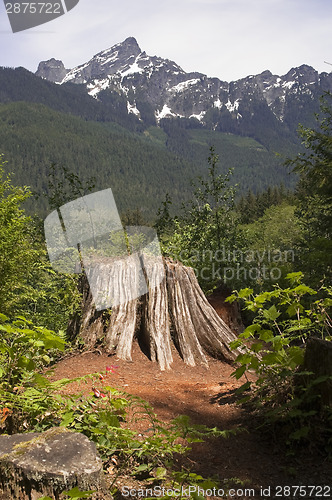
[(273, 348)]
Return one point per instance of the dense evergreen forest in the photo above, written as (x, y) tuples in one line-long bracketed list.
[(42, 124), (266, 240)]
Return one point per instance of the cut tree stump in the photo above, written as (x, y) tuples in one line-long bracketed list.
[(174, 311), (33, 465)]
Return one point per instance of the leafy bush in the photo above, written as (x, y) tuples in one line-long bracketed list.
[(24, 350), (31, 401), (28, 284), (273, 349)]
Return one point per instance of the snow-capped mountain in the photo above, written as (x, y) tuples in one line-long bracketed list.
[(172, 92)]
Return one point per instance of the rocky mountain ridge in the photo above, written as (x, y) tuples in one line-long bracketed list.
[(172, 92)]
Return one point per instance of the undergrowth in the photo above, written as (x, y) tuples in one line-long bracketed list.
[(286, 396), (30, 401)]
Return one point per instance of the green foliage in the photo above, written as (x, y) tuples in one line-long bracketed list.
[(74, 493), (315, 194), (48, 298), (24, 349), (28, 284), (271, 247), (64, 186), (106, 416), (208, 236), (273, 348), (253, 206), (17, 253), (206, 225), (29, 401)]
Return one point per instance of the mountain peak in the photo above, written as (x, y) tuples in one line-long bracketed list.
[(131, 41), (171, 92), (52, 70), (117, 58), (129, 47)]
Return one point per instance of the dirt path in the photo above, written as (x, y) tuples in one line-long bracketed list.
[(207, 397)]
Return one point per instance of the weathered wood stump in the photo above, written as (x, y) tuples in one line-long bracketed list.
[(46, 464), (174, 311)]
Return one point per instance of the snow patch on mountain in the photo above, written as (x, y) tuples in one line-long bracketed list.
[(288, 85), (164, 113), (131, 108), (180, 87), (134, 68), (232, 106), (199, 117), (96, 86), (218, 104)]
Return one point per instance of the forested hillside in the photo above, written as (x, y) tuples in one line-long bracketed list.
[(33, 137), (42, 123), (144, 165)]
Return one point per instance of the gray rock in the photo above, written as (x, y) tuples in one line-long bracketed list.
[(52, 70), (45, 464)]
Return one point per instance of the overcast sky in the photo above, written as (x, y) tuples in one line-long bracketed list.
[(229, 39)]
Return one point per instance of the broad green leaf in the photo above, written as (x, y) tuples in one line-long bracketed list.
[(40, 380), (300, 433), (245, 293), (271, 314), (250, 331), (141, 468), (303, 289), (271, 358), (3, 318), (296, 354), (293, 309), (244, 358), (196, 496), (294, 277), (160, 472), (235, 344), (257, 347), (266, 335), (6, 328), (75, 493), (254, 364), (239, 372), (243, 388), (27, 363), (231, 299)]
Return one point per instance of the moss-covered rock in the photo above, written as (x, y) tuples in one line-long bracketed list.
[(39, 464)]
